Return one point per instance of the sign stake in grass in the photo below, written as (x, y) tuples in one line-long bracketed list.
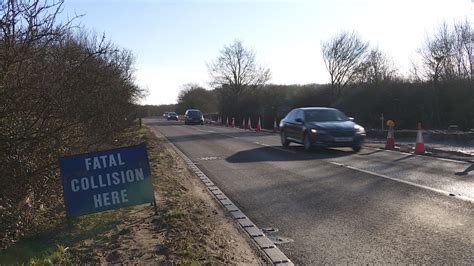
[(105, 180)]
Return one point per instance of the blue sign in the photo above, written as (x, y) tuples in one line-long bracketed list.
[(105, 180)]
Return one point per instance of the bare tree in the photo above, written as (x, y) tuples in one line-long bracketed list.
[(437, 55), (463, 47), (447, 54), (194, 96), (236, 67), (376, 67), (61, 92), (343, 56)]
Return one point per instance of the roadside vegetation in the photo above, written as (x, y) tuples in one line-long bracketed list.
[(363, 82), (63, 91), (188, 229)]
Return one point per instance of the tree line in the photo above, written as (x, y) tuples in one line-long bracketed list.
[(63, 91), (363, 82)]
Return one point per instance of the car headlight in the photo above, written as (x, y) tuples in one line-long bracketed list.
[(359, 129), (314, 131)]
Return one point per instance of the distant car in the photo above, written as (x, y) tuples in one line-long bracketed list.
[(165, 114), (172, 116), (321, 127), (193, 116)]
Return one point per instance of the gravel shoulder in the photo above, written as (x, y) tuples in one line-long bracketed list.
[(190, 227)]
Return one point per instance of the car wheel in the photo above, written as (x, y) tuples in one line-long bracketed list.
[(307, 143), (356, 148), (284, 141)]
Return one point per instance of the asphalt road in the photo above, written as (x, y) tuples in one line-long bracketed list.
[(338, 206)]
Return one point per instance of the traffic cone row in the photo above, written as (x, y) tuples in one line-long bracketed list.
[(246, 124), (249, 124), (390, 142), (419, 146), (275, 126)]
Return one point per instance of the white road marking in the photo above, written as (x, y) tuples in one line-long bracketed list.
[(415, 155), (405, 182), (451, 160), (261, 144)]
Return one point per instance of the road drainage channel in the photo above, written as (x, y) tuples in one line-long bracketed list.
[(277, 240), (267, 244)]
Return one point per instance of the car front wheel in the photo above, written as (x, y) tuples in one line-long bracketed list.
[(284, 141)]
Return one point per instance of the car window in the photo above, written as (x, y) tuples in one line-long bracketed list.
[(324, 116), (290, 115), (299, 114), (194, 113)]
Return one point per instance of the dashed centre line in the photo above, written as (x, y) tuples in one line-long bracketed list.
[(447, 193)]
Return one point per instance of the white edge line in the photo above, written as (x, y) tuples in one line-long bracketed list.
[(196, 170), (446, 193)]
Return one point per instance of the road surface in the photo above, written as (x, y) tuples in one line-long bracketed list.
[(336, 206)]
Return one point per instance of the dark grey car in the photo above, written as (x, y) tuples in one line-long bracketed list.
[(193, 116), (172, 116), (321, 127)]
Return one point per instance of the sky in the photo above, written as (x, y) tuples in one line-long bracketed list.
[(174, 40)]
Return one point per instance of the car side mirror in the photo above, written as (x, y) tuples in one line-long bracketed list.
[(299, 120), (351, 118)]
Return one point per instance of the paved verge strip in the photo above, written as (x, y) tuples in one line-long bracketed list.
[(256, 234)]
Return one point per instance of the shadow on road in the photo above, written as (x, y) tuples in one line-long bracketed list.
[(163, 122), (467, 170), (212, 136), (277, 154), (370, 153)]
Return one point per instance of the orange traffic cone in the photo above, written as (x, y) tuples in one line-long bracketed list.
[(275, 126), (390, 143), (420, 145), (233, 122), (227, 121), (259, 126), (242, 126), (249, 124)]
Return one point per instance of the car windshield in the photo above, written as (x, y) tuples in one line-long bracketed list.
[(324, 116), (171, 113), (194, 113)]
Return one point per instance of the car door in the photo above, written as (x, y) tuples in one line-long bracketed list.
[(294, 126), (299, 126), (287, 123)]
